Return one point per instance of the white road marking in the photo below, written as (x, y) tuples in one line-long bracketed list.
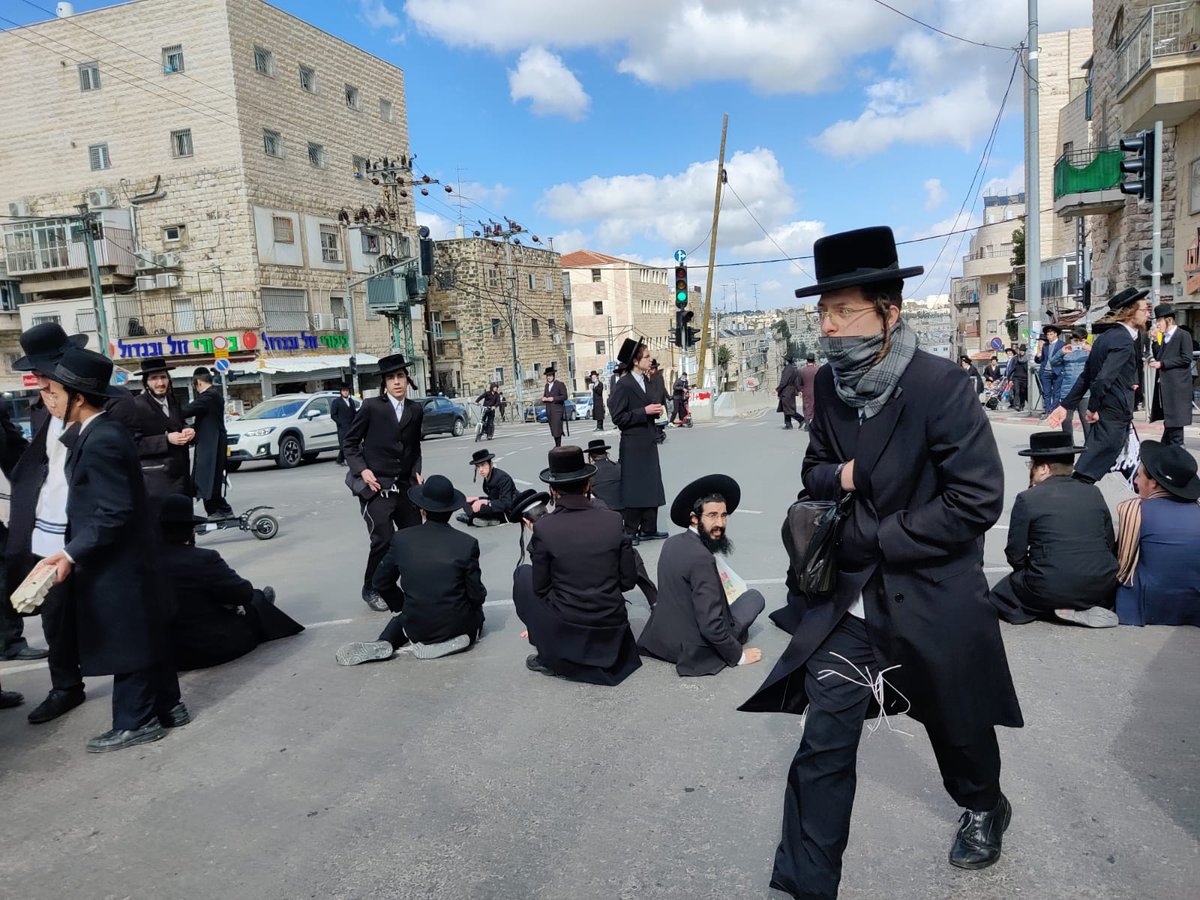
[(335, 622), (751, 512), (526, 483), (766, 581)]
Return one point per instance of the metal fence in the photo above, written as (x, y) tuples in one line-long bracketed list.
[(1168, 29), (174, 312)]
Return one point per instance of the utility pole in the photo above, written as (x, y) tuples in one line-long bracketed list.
[(85, 222), (712, 255), (612, 354), (510, 279), (1033, 205), (1156, 223)]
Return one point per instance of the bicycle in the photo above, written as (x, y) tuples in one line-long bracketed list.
[(486, 424)]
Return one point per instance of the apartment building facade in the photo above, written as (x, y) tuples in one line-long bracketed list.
[(980, 296), (215, 143)]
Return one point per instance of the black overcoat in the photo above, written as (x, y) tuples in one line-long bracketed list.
[(641, 477), (342, 410), (1173, 391), (208, 468), (26, 478), (500, 490), (789, 384), (606, 483), (598, 400), (164, 465), (389, 447), (119, 615), (928, 485), (691, 624), (554, 395)]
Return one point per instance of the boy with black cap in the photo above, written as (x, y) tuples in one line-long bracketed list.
[(499, 493)]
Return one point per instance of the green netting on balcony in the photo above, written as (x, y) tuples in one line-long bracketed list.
[(1087, 170)]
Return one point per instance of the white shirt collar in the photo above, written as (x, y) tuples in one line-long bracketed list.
[(89, 420), (397, 405), (1132, 331)]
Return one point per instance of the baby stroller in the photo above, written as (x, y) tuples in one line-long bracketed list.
[(997, 392)]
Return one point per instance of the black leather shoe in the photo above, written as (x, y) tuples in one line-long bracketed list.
[(655, 536), (268, 593), (464, 518), (119, 740), (176, 717), (57, 703), (24, 651), (9, 699), (374, 600), (533, 664), (977, 844)]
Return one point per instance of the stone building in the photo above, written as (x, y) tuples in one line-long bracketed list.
[(980, 297), (496, 308), (215, 142)]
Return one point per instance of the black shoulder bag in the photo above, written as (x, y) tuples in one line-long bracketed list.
[(812, 532)]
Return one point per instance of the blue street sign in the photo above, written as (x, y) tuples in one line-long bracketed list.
[(680, 256), (997, 344), (221, 365)]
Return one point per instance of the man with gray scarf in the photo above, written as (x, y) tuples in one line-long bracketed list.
[(907, 626)]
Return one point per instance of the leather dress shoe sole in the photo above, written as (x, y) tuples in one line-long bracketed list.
[(363, 651), (177, 717), (534, 664), (655, 536), (442, 648), (118, 740), (57, 703), (1092, 617), (268, 593), (25, 652)]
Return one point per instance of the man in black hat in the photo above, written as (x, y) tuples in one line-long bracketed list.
[(679, 400), (383, 451), (491, 403), (1110, 375), (1020, 378), (789, 385), (903, 433), (439, 603), (1060, 544), (554, 396), (218, 615), (598, 410), (342, 411), (570, 598), (208, 468), (498, 489), (1048, 344), (120, 617), (807, 376), (991, 372), (634, 412), (161, 435), (1173, 391), (12, 444), (694, 625)]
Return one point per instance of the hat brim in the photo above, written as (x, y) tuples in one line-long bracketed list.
[(45, 362), (416, 494), (603, 448), (526, 499), (550, 477), (1150, 455), (1057, 451), (142, 373), (858, 278), (480, 462), (681, 507), (1136, 297)]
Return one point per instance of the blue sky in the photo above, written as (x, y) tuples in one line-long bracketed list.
[(598, 123)]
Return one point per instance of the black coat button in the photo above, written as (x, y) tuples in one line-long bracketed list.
[(899, 598)]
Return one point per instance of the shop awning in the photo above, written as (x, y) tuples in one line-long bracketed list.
[(301, 365)]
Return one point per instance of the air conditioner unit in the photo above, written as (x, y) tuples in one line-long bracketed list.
[(19, 209), (166, 281), (100, 198), (167, 260), (341, 324), (1168, 262), (145, 260), (322, 322), (146, 283)]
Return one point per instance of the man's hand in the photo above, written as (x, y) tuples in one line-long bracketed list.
[(178, 438), (369, 477), (1156, 364), (847, 480), (752, 655), (1056, 417), (190, 434), (418, 478), (654, 409), (1092, 417), (61, 563), (479, 504), (1068, 348)]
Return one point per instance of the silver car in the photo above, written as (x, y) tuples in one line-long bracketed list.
[(288, 428)]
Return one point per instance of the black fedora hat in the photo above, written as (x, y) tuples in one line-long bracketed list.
[(436, 494), (44, 346), (176, 509), (481, 456), (566, 465), (853, 258), (597, 446), (1127, 297), (152, 365), (681, 506), (523, 501), (1173, 468), (550, 370), (628, 348), (1050, 443), (86, 371), (393, 363), (1164, 310)]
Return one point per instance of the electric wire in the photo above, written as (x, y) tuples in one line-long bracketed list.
[(937, 30)]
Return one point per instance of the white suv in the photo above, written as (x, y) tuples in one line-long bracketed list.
[(288, 428)]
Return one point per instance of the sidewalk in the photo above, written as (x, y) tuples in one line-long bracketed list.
[(1152, 430)]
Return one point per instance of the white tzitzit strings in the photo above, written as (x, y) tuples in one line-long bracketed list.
[(876, 686)]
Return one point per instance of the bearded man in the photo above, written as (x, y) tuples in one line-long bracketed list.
[(160, 433)]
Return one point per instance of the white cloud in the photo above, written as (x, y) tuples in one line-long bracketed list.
[(377, 14), (439, 227), (570, 240), (551, 88), (935, 194), (1012, 183)]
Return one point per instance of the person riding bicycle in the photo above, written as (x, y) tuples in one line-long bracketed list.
[(491, 402)]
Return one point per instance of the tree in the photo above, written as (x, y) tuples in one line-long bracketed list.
[(724, 357)]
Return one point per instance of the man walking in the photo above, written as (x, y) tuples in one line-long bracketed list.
[(208, 468), (807, 376), (1020, 378), (161, 436), (490, 399), (1048, 345), (634, 413), (342, 410), (383, 451), (789, 384), (554, 396), (1173, 359), (1069, 363), (903, 433), (597, 400), (679, 397)]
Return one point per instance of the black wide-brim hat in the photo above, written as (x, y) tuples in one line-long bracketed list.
[(479, 457), (598, 446), (681, 507), (1127, 297), (628, 348), (1163, 310), (566, 466), (437, 494), (853, 258), (44, 346), (393, 363), (550, 370), (1050, 443), (86, 371), (1173, 468), (524, 500), (152, 365), (177, 509)]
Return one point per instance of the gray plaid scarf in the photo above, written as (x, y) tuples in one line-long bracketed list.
[(860, 382)]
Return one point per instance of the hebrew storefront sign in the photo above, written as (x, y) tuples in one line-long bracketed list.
[(247, 341)]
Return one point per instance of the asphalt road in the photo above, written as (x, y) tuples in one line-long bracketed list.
[(470, 777)]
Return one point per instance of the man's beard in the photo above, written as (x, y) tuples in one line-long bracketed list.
[(722, 545)]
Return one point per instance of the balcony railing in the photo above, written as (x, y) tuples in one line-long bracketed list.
[(53, 245), (989, 252), (166, 313), (1169, 29), (1081, 171)]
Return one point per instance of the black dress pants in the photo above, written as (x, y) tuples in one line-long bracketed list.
[(641, 519), (395, 633), (137, 697), (384, 515), (822, 780), (1104, 444), (58, 625), (1173, 434)]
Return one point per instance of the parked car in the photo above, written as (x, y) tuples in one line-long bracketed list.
[(537, 412), (583, 404), (442, 415), (288, 428)]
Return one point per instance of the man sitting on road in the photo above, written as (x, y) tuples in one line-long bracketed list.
[(694, 626), (441, 602), (570, 598), (1060, 544), (499, 493)]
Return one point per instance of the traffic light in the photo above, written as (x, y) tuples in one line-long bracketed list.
[(1141, 166), (682, 317), (681, 287), (691, 336)]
